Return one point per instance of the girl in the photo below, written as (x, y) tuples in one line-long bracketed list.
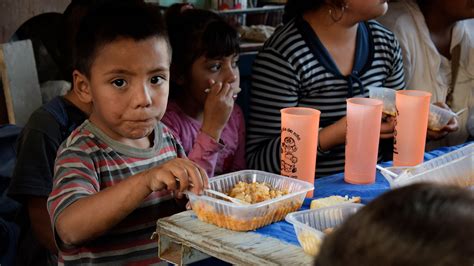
[(326, 52), (205, 84)]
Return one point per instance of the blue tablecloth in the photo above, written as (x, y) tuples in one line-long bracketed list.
[(335, 185)]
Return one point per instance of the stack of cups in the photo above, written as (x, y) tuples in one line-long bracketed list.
[(364, 118), (299, 143)]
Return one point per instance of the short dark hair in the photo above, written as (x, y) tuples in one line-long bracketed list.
[(421, 224), (294, 8), (112, 20), (197, 32)]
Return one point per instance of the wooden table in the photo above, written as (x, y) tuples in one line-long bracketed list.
[(183, 239)]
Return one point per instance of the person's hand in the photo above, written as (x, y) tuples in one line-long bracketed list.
[(387, 127), (218, 107), (178, 175), (450, 127), (333, 135)]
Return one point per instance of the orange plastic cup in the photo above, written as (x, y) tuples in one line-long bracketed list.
[(364, 117), (413, 108), (299, 143)]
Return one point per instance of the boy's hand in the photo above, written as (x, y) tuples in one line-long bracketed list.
[(178, 175), (218, 107)]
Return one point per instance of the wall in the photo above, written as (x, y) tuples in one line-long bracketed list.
[(14, 12)]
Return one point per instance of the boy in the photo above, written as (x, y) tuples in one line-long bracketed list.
[(115, 174)]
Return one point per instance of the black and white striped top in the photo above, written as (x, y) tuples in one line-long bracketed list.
[(295, 69)]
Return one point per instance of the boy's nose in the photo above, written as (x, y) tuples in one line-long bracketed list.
[(142, 96)]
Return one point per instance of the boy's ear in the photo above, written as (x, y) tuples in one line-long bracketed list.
[(82, 87)]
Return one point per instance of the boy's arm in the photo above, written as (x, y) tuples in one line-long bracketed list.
[(90, 216)]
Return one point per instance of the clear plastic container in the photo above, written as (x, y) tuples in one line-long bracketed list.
[(439, 117), (310, 224), (211, 209), (387, 96), (453, 168)]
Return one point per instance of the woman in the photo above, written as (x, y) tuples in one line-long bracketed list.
[(326, 52)]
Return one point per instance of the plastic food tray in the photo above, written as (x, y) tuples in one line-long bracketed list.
[(214, 210), (453, 168), (309, 224), (387, 96)]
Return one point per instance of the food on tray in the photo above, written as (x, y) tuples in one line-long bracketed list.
[(255, 192), (434, 122), (272, 213), (332, 200), (387, 96), (439, 117), (279, 195), (310, 243)]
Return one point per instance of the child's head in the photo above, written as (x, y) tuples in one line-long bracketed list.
[(122, 58), (205, 47), (357, 10), (421, 224)]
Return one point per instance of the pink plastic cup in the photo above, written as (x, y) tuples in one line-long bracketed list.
[(364, 117), (413, 108), (299, 143)]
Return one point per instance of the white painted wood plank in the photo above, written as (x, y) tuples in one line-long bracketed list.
[(242, 248)]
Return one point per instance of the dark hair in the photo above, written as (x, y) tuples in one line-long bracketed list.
[(111, 20), (197, 32), (421, 224), (294, 8)]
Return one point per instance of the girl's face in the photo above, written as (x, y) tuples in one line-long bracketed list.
[(361, 10), (223, 69)]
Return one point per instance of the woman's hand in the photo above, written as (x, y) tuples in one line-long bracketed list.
[(218, 107), (387, 127), (450, 127)]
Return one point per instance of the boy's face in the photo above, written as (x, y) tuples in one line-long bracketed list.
[(128, 87)]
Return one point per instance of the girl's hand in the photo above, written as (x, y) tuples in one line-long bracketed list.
[(178, 175), (218, 107)]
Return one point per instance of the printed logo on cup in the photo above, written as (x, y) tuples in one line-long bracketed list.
[(395, 151), (289, 146)]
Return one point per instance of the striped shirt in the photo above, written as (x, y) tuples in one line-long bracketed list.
[(295, 69), (89, 162)]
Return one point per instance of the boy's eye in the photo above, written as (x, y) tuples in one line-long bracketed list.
[(156, 80), (119, 83)]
